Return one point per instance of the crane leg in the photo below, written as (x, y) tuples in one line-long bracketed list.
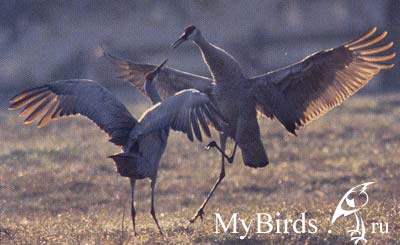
[(133, 211), (152, 210), (228, 158), (200, 211)]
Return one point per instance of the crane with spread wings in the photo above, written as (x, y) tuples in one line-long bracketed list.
[(143, 141), (296, 95)]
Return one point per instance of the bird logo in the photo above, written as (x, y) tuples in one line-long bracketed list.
[(351, 203)]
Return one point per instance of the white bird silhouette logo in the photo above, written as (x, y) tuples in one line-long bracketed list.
[(349, 200)]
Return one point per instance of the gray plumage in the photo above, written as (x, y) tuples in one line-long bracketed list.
[(169, 81), (143, 141), (296, 95), (72, 97)]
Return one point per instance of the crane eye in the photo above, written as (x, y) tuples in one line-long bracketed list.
[(189, 29)]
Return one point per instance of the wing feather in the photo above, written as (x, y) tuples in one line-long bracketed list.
[(212, 118), (72, 97), (47, 116), (301, 93), (40, 109), (27, 93), (195, 124), (170, 81), (33, 103), (203, 122), (188, 125), (181, 112)]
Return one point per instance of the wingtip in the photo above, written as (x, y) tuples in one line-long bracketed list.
[(20, 95), (15, 98), (384, 34), (390, 66), (11, 108), (362, 38), (390, 45), (43, 123), (12, 100), (367, 43), (14, 105), (27, 122)]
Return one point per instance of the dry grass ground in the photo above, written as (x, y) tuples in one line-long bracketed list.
[(57, 186)]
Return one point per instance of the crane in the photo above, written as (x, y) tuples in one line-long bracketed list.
[(296, 95), (143, 141)]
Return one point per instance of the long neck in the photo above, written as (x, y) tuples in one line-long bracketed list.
[(222, 66), (151, 90)]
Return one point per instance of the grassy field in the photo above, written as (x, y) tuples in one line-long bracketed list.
[(57, 186)]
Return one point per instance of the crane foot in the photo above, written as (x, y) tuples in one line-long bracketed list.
[(199, 213), (229, 158), (211, 145)]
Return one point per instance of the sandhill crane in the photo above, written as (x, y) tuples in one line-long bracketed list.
[(296, 95), (143, 141)]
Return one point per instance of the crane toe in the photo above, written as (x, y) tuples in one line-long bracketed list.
[(200, 213), (210, 145)]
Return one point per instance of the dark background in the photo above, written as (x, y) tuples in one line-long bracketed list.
[(42, 41)]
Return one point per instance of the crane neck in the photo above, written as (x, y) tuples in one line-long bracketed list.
[(222, 65), (151, 91)]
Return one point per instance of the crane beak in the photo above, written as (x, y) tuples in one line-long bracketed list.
[(180, 40), (151, 76), (158, 69)]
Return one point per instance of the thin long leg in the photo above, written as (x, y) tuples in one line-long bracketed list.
[(229, 158), (152, 210), (133, 211), (200, 211)]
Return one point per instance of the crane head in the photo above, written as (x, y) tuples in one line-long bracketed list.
[(190, 32), (150, 83), (153, 74)]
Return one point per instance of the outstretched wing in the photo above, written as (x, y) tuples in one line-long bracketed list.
[(187, 111), (72, 97), (169, 82), (298, 94)]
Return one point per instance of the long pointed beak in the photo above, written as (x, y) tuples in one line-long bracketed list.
[(158, 69), (178, 42)]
